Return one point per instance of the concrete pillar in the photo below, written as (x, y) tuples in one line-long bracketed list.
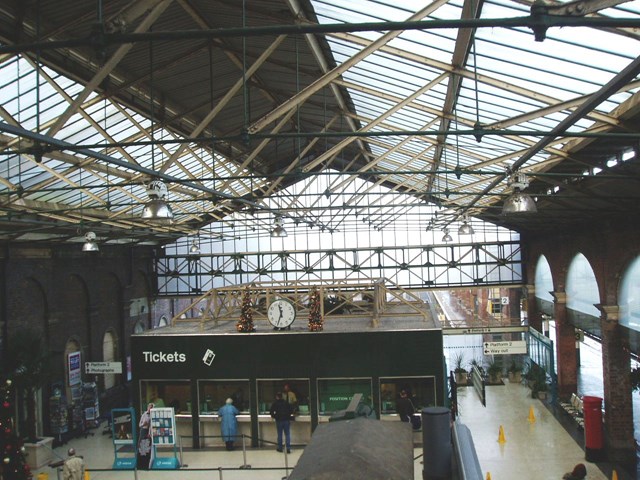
[(565, 348), (616, 365)]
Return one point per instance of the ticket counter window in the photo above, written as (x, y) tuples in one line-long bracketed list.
[(336, 394), (298, 394), (212, 395), (421, 391), (172, 393)]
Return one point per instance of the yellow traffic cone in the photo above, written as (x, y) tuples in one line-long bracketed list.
[(614, 476), (532, 417), (87, 476), (488, 475), (501, 438)]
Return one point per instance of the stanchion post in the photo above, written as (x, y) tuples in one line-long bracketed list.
[(244, 453)]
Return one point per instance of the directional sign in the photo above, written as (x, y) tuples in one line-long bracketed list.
[(505, 348), (94, 368)]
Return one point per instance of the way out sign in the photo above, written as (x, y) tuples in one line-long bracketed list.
[(505, 348)]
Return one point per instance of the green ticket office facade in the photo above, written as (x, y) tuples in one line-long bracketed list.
[(196, 373)]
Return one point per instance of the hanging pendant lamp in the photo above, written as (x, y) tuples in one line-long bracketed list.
[(278, 230), (465, 228), (90, 244), (446, 237), (518, 203), (157, 210)]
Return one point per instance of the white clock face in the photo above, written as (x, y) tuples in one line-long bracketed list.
[(281, 313)]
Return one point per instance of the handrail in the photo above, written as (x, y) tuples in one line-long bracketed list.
[(477, 378), (465, 452)]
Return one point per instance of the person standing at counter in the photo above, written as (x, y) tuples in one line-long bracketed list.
[(404, 407), (281, 412), (229, 423), (290, 397)]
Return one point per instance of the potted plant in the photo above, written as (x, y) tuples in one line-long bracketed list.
[(27, 364), (494, 371), (635, 379), (538, 382), (459, 370), (515, 372)]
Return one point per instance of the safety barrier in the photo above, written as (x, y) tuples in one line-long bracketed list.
[(477, 379), (245, 467), (465, 453)]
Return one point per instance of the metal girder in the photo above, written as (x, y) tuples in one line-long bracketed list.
[(327, 78), (578, 8), (433, 266)]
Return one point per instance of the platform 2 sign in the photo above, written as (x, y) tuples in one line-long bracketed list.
[(95, 368), (505, 348)]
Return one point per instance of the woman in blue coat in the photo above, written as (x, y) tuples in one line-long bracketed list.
[(229, 428)]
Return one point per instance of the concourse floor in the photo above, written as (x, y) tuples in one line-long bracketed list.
[(542, 449)]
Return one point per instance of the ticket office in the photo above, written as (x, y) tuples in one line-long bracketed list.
[(315, 401), (195, 374)]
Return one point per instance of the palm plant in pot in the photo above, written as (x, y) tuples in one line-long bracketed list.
[(459, 370), (515, 372), (27, 363), (494, 371)]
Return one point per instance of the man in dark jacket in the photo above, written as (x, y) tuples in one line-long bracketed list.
[(281, 412), (404, 407)]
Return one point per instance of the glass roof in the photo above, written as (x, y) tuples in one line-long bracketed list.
[(443, 117)]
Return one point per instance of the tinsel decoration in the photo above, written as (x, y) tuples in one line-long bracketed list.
[(245, 324), (315, 318), (14, 465)]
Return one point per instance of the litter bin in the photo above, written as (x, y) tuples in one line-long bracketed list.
[(593, 432), (436, 443)]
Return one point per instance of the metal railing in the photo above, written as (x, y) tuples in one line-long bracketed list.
[(477, 379), (184, 467)]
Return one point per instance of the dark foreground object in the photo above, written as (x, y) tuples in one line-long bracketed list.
[(358, 449)]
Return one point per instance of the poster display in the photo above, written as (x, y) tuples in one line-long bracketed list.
[(74, 368), (163, 434), (163, 426), (123, 430)]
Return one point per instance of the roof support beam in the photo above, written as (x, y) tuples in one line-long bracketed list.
[(110, 64), (328, 77)]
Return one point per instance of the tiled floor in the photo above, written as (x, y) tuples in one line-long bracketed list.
[(542, 449)]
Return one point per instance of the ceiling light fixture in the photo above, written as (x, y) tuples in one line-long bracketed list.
[(90, 244), (446, 237), (157, 210), (465, 228), (195, 248), (278, 230), (518, 203)]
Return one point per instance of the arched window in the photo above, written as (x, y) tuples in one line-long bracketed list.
[(138, 327), (544, 286), (109, 354), (582, 295), (163, 322), (629, 296)]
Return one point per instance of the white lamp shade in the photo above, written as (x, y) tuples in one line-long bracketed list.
[(465, 229), (519, 203), (157, 211)]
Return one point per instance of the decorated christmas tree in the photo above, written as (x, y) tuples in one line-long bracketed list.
[(245, 324), (14, 465), (315, 318)]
